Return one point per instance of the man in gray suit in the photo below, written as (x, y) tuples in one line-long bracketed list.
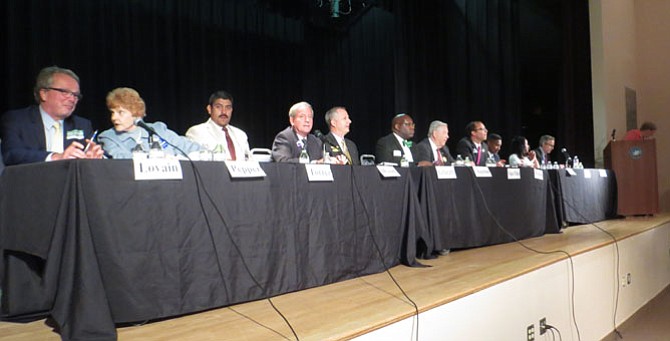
[(291, 141)]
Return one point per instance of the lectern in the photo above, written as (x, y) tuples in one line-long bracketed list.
[(634, 163)]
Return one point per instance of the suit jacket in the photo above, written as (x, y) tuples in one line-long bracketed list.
[(334, 149), (22, 134), (386, 146), (423, 151), (210, 134), (539, 154), (285, 147), (467, 148)]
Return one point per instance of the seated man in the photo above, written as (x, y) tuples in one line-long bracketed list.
[(545, 148), (494, 143), (291, 141), (396, 145), (472, 145), (433, 150), (646, 131), (48, 131), (337, 145), (218, 130)]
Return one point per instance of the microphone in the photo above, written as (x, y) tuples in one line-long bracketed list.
[(613, 134), (320, 135), (565, 153), (140, 123)]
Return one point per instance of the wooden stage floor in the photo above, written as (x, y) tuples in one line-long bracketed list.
[(354, 307)]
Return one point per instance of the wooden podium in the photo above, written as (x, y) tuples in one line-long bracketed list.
[(634, 163)]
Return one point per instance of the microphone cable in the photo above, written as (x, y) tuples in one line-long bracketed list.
[(378, 249), (616, 258), (515, 239), (198, 183)]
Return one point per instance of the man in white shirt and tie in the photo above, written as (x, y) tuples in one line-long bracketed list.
[(398, 144), (218, 131), (344, 149)]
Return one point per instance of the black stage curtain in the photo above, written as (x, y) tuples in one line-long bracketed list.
[(453, 60)]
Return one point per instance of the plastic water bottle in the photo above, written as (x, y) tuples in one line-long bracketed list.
[(576, 163), (467, 161), (459, 160), (304, 157), (156, 151), (490, 161), (138, 152)]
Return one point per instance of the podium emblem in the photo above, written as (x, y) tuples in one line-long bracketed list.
[(635, 152)]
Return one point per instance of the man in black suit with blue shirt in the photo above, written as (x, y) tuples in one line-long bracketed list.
[(48, 131)]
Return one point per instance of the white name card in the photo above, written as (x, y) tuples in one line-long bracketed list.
[(445, 172), (539, 174), (603, 173), (245, 169), (482, 172), (571, 171), (513, 174), (587, 174), (157, 169), (317, 172), (388, 171)]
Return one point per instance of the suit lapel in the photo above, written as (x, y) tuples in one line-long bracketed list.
[(38, 127)]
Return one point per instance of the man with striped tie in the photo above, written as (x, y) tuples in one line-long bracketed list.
[(344, 149)]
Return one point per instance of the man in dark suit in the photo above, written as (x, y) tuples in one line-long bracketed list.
[(472, 145), (494, 143), (396, 145), (290, 142), (433, 150), (544, 149), (48, 131), (338, 146)]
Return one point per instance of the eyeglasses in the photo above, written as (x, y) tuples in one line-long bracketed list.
[(68, 93), (409, 124), (483, 129)]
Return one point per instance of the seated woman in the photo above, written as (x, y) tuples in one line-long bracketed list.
[(521, 156), (126, 105)]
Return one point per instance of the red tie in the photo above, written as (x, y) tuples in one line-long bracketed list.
[(231, 146), (440, 162), (479, 155)]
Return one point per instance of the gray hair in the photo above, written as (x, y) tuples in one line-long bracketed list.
[(434, 126), (46, 77), (546, 138), (330, 114), (297, 106)]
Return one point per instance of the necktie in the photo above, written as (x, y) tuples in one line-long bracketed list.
[(231, 146), (479, 154), (440, 162), (346, 152), (57, 139)]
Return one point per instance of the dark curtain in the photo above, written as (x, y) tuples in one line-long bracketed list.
[(456, 61)]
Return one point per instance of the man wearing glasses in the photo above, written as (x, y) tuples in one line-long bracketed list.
[(544, 149), (48, 131), (397, 145), (471, 145)]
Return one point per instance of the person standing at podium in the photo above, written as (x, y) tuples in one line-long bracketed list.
[(48, 131), (218, 130), (646, 131)]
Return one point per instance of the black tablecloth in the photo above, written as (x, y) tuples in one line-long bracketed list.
[(86, 243), (470, 211), (582, 200)]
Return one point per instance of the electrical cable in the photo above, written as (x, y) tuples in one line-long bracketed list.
[(379, 252), (198, 183), (514, 238), (552, 328), (616, 259)]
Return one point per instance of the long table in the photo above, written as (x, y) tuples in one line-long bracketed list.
[(585, 196), (87, 244)]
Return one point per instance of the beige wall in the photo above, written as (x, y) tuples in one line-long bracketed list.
[(629, 48)]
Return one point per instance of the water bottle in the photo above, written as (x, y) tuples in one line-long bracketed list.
[(459, 160), (556, 165), (156, 151), (490, 161), (138, 152), (467, 161), (218, 154), (576, 163), (304, 157)]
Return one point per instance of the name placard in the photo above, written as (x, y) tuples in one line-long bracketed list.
[(445, 172), (157, 169), (539, 174), (513, 174), (482, 172), (571, 171), (316, 172), (587, 174), (603, 173), (388, 171), (245, 169)]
